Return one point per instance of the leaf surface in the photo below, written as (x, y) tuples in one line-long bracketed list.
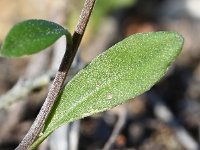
[(31, 36), (124, 71)]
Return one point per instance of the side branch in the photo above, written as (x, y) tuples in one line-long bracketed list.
[(57, 84)]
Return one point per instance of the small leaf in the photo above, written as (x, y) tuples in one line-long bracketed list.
[(126, 70), (31, 36)]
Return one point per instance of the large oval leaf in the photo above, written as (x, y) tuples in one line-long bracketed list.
[(30, 37), (126, 70)]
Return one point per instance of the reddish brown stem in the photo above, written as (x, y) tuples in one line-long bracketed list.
[(60, 77)]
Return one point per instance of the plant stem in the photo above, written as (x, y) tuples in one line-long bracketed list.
[(60, 77)]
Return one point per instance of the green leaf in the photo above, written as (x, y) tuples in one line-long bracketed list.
[(124, 71), (31, 36)]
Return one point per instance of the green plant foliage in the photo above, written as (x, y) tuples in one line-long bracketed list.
[(124, 71), (31, 36), (102, 8)]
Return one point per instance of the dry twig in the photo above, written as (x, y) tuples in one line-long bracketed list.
[(163, 113), (118, 127)]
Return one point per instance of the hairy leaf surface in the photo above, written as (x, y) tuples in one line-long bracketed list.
[(124, 71), (31, 36)]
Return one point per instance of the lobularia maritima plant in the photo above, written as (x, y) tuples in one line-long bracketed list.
[(127, 69)]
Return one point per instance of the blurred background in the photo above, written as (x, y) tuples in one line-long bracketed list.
[(165, 118)]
